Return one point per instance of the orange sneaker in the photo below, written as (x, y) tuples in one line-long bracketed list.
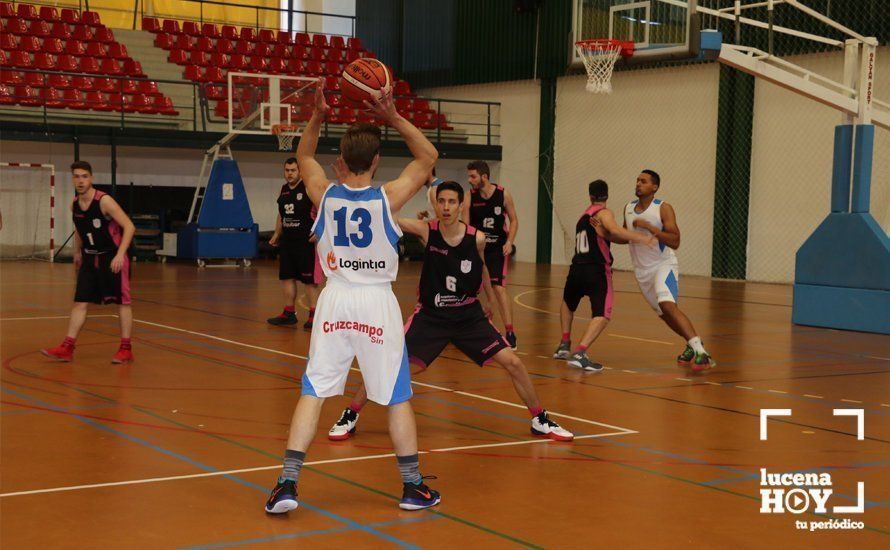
[(59, 353), (122, 356)]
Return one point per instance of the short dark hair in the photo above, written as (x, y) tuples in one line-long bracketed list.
[(480, 166), (656, 179), (451, 186), (359, 145), (82, 165), (290, 160), (598, 190)]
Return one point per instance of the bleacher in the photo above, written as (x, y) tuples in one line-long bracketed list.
[(67, 61)]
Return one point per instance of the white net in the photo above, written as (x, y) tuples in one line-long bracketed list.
[(25, 207), (285, 135), (599, 57)]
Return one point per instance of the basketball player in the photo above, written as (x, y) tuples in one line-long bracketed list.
[(449, 311), (358, 315), (591, 275), (102, 236), (489, 208), (297, 258), (657, 270)]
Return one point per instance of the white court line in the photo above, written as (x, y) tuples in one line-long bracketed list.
[(422, 384), (51, 317), (278, 466), (813, 396)]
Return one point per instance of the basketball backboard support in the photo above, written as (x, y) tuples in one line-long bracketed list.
[(660, 29)]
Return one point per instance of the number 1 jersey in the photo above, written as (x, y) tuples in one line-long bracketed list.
[(357, 238)]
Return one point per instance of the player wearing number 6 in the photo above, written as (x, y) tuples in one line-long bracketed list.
[(102, 236), (591, 275), (358, 315)]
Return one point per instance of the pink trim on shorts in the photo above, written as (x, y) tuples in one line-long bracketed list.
[(411, 319), (417, 362), (318, 273), (610, 292)]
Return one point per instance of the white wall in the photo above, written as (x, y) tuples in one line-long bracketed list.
[(662, 119), (791, 166), (518, 117)]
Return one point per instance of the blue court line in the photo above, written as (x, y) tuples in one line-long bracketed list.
[(303, 534), (83, 408), (352, 524)]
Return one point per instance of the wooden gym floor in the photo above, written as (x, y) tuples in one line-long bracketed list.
[(181, 448)]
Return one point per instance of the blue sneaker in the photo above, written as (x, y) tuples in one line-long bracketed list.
[(418, 496), (283, 498)]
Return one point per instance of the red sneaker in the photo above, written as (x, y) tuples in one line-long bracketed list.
[(59, 353), (122, 356)]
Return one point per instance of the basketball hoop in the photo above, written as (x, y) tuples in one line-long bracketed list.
[(599, 56), (286, 134)]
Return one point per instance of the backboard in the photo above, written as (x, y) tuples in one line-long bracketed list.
[(258, 102), (660, 29)]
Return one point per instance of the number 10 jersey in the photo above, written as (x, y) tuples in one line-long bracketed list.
[(357, 237)]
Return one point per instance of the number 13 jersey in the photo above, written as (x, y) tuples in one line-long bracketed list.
[(357, 238)]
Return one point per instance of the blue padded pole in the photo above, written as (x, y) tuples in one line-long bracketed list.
[(842, 168), (862, 161)]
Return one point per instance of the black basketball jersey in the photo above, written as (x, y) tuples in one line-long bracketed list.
[(98, 234), (590, 248), (451, 275), (489, 215), (297, 213)]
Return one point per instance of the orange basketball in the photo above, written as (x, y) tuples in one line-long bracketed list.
[(363, 80)]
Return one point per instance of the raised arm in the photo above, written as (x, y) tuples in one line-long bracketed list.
[(112, 209), (514, 222), (616, 234), (415, 227), (415, 175), (669, 235), (313, 174)]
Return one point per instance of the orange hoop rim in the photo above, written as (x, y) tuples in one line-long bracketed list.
[(285, 128), (625, 47)]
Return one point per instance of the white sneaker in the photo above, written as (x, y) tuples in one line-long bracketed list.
[(345, 427), (544, 427)]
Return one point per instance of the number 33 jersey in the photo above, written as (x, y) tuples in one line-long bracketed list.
[(357, 238)]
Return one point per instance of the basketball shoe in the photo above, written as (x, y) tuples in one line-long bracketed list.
[(285, 318), (582, 361), (418, 496), (685, 358), (544, 427), (283, 497), (345, 427), (703, 362), (563, 351), (63, 352), (123, 356)]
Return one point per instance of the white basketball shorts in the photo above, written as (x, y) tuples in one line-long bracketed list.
[(659, 284), (363, 322)]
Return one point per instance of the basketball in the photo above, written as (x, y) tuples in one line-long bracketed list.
[(363, 80)]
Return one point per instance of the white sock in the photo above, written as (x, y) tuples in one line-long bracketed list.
[(696, 344)]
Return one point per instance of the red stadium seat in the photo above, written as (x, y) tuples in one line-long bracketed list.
[(422, 106), (58, 81), (295, 66), (320, 41), (27, 11), (214, 91), (16, 26), (82, 33), (214, 74), (229, 32), (133, 68), (164, 106), (184, 42), (300, 52), (443, 123), (75, 47), (151, 24), (285, 38), (83, 83), (11, 78), (204, 44), (97, 101), (209, 30), (36, 80), (334, 100), (248, 34), (354, 44), (197, 58), (141, 103), (171, 26), (281, 50), (26, 95), (261, 49), (237, 62), (277, 66), (67, 63), (243, 47), (44, 61), (72, 17), (266, 35), (51, 45), (20, 59), (103, 34), (403, 104), (352, 55), (338, 43), (303, 39), (258, 63), (149, 87), (192, 72), (347, 115), (49, 14), (61, 30), (224, 46), (39, 28), (191, 28), (120, 102), (164, 41), (332, 83), (3, 60), (129, 86), (73, 98), (107, 85), (7, 42), (29, 44), (96, 49), (111, 67), (6, 96), (332, 54), (50, 97), (7, 10), (314, 68), (90, 18), (316, 54), (332, 68), (402, 88), (219, 60), (179, 57), (117, 51)]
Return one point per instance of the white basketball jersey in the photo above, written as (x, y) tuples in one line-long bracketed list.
[(357, 239), (645, 257)]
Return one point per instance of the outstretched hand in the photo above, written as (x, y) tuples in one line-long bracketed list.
[(321, 104), (384, 106)]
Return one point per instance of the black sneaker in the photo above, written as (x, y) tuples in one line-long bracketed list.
[(511, 339), (418, 496), (582, 361), (308, 324), (345, 427), (283, 498), (283, 319)]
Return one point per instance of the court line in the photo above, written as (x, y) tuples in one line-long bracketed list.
[(414, 382), (49, 317), (526, 306), (278, 466)]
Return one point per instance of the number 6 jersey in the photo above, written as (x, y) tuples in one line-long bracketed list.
[(357, 237), (451, 275)]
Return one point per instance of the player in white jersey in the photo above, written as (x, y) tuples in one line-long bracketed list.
[(656, 268), (358, 315)]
